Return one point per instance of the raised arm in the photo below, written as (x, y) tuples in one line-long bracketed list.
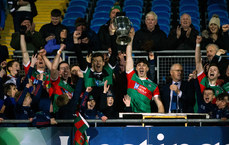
[(82, 62), (56, 61), (25, 54), (129, 59), (199, 66), (43, 52)]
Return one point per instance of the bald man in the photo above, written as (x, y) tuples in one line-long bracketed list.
[(178, 96)]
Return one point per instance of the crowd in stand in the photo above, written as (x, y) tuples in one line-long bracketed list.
[(102, 85)]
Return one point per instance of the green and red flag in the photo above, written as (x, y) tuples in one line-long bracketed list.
[(80, 126)]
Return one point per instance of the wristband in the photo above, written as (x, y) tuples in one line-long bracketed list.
[(197, 45), (59, 52)]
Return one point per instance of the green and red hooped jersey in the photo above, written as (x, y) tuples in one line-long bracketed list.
[(59, 87), (204, 83), (141, 92), (91, 81), (33, 77)]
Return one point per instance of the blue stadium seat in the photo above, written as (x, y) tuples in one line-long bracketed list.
[(133, 2), (197, 27), (98, 21), (163, 21), (165, 28), (135, 21), (102, 14), (195, 21), (136, 27), (103, 8), (220, 13), (187, 2), (224, 20), (134, 14), (74, 15), (79, 3), (76, 9), (95, 28), (217, 7), (192, 8), (161, 2), (163, 14), (132, 8), (162, 8), (210, 2), (105, 2), (69, 22), (192, 14)]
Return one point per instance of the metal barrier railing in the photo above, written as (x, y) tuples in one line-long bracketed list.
[(130, 121), (164, 60)]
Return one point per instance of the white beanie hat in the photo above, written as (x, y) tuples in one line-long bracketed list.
[(214, 20)]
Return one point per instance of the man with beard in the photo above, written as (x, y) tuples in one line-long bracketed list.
[(140, 88), (212, 74), (178, 96)]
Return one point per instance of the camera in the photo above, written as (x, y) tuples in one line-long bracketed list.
[(23, 29)]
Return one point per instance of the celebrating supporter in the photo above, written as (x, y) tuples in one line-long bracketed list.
[(60, 72), (88, 109), (33, 38), (184, 36), (99, 72), (104, 31), (216, 34), (212, 74), (141, 90)]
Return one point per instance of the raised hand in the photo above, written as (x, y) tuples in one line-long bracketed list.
[(220, 51), (33, 60), (111, 28), (89, 89), (42, 52), (106, 87), (198, 39), (178, 31), (174, 87), (151, 55), (127, 100), (225, 27), (76, 36)]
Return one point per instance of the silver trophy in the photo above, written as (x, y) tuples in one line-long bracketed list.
[(122, 26)]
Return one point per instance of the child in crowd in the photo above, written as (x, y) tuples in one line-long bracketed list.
[(222, 110), (205, 101), (88, 109), (23, 105), (107, 104)]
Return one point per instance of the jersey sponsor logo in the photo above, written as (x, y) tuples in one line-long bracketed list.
[(136, 85), (141, 89)]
